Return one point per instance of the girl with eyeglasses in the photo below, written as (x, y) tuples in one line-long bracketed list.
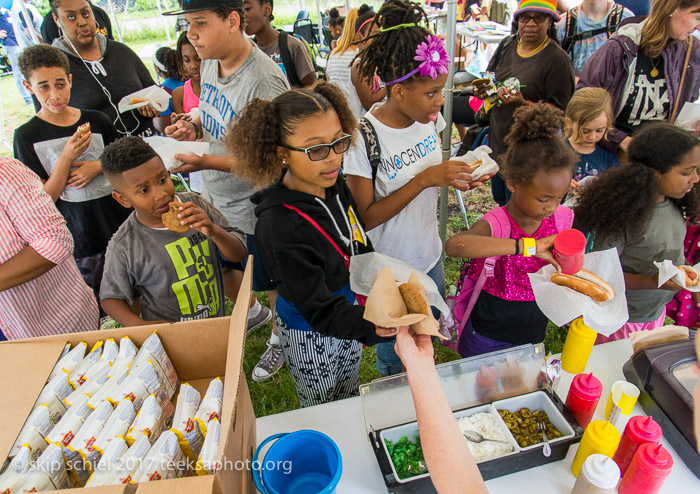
[(533, 56), (307, 229)]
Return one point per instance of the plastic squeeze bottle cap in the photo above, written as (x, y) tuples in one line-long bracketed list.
[(655, 459), (601, 471), (587, 386), (569, 249), (643, 430)]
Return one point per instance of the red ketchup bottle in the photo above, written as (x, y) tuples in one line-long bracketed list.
[(583, 397), (639, 430), (569, 250), (648, 470)]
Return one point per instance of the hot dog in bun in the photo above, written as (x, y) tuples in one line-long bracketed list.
[(84, 129), (587, 283), (135, 101), (691, 275)]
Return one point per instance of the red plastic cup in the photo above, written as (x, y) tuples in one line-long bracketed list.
[(648, 470), (569, 250), (583, 397), (639, 430)]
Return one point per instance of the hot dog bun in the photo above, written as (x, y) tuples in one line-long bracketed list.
[(134, 101), (170, 219), (84, 129), (415, 299), (691, 275), (587, 283)]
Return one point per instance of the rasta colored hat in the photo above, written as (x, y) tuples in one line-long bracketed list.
[(199, 5), (545, 6)]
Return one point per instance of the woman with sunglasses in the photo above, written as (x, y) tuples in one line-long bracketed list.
[(307, 229), (533, 56)]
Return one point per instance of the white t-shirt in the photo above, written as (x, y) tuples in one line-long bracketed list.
[(412, 235), (338, 72)]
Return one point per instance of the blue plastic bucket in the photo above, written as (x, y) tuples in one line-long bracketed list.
[(301, 462)]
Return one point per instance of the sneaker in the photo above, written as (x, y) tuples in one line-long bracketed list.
[(264, 316), (270, 363)]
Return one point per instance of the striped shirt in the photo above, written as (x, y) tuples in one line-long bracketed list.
[(58, 301)]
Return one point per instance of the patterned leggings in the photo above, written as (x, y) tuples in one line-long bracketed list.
[(324, 368)]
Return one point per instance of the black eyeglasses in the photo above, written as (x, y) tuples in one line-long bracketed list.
[(321, 151), (538, 17)]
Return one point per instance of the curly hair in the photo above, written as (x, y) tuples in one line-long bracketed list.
[(534, 144), (262, 126), (621, 202), (167, 58), (223, 11), (586, 105), (123, 155), (391, 53), (364, 13), (38, 56)]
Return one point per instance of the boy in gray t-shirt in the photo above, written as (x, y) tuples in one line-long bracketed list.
[(234, 71), (177, 276)]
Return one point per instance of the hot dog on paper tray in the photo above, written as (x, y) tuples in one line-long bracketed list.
[(390, 306)]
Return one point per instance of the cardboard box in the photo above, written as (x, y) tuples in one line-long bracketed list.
[(199, 350)]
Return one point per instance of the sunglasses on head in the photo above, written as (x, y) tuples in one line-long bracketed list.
[(538, 17), (321, 151)]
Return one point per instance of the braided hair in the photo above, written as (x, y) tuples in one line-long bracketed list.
[(391, 53), (168, 58)]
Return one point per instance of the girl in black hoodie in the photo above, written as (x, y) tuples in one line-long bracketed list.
[(307, 230)]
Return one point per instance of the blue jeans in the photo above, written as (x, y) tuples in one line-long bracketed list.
[(388, 361), (13, 54)]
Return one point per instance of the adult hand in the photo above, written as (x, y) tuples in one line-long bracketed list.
[(148, 111), (190, 163), (545, 248), (480, 89), (413, 348), (625, 143), (182, 130), (76, 145), (3, 34), (508, 98), (84, 173), (385, 332)]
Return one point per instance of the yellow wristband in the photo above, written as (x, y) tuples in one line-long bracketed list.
[(530, 247)]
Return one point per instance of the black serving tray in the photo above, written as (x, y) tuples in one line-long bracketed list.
[(489, 469)]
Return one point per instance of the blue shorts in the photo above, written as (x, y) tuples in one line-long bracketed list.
[(261, 279)]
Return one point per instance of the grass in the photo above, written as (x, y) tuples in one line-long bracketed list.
[(278, 394)]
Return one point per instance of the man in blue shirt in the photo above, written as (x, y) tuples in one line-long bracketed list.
[(12, 48)]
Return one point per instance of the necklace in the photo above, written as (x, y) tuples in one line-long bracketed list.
[(546, 38), (654, 71)]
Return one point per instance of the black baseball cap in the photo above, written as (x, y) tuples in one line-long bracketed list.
[(199, 5)]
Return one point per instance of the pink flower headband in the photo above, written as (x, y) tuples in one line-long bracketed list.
[(433, 57)]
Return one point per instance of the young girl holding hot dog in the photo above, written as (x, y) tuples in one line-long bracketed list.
[(306, 232), (397, 198), (537, 168), (641, 208)]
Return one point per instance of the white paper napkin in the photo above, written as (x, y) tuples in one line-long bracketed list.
[(488, 165), (364, 269), (167, 148), (689, 116), (156, 96), (562, 305), (667, 271)]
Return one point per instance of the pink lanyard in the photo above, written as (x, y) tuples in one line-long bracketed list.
[(308, 218)]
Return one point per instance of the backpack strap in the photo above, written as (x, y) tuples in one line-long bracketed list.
[(493, 63), (374, 151), (287, 60), (500, 228), (563, 218), (568, 42), (614, 18), (346, 258)]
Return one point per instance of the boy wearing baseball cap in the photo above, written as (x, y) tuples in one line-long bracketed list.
[(233, 72)]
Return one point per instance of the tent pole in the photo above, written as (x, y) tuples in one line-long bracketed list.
[(116, 21), (162, 21), (447, 109)]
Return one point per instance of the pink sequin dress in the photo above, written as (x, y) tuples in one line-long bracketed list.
[(510, 280)]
